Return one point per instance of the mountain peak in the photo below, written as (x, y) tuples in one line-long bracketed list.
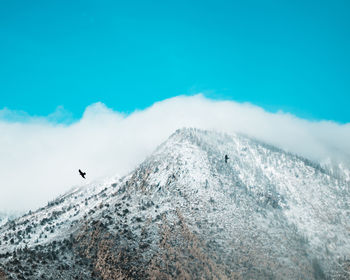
[(186, 212)]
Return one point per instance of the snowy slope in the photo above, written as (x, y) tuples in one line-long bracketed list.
[(186, 213), (3, 220), (8, 216)]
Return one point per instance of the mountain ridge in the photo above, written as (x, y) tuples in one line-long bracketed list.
[(184, 212)]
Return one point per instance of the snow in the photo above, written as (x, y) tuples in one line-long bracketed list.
[(263, 203)]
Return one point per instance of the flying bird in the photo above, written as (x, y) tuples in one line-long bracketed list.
[(82, 174)]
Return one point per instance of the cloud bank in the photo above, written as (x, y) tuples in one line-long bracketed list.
[(39, 157)]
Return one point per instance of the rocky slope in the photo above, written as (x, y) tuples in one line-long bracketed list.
[(184, 213)]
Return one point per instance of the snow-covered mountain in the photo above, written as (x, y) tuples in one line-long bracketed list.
[(185, 213)]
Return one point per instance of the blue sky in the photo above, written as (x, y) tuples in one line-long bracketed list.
[(281, 55)]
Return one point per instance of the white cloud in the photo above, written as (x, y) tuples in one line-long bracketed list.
[(39, 159)]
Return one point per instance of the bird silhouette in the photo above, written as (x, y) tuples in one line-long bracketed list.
[(82, 173), (226, 158)]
